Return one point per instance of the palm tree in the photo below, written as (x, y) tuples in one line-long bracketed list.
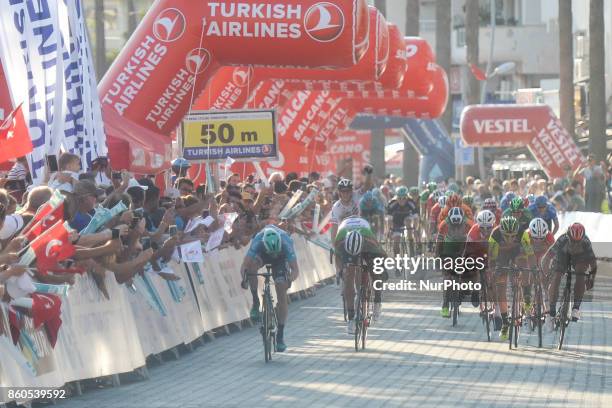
[(597, 84), (101, 64), (443, 50), (410, 157), (472, 21), (566, 66), (132, 19), (377, 144)]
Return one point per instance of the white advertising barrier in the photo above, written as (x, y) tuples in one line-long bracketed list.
[(598, 228), (102, 337)]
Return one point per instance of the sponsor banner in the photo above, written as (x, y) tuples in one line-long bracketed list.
[(533, 126), (228, 89), (353, 145), (241, 135), (324, 33), (420, 73)]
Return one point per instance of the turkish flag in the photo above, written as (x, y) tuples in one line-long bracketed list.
[(45, 307), (49, 213), (477, 72), (52, 246), (14, 136)]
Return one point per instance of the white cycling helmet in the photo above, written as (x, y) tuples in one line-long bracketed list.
[(485, 219), (442, 201), (455, 216), (353, 243), (538, 228)]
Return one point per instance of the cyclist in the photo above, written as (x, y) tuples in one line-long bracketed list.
[(426, 199), (541, 208), (434, 215), (353, 240), (452, 233), (346, 206), (517, 210), (271, 246), (506, 243), (572, 248), (403, 212), (477, 244), (504, 203), (491, 205), (372, 209)]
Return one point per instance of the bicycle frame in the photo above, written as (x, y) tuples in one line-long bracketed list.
[(269, 322)]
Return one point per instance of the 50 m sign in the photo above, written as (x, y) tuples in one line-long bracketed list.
[(242, 135)]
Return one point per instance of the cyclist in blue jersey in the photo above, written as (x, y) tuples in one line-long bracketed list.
[(271, 246), (504, 203), (373, 210), (541, 208)]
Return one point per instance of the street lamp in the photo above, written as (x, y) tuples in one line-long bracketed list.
[(501, 69)]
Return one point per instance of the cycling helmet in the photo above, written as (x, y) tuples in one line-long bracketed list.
[(509, 225), (401, 192), (448, 193), (468, 200), (353, 243), (442, 201), (413, 190), (271, 240), (435, 195), (180, 163), (489, 204), (345, 184), (576, 231), (541, 201), (432, 186), (367, 197), (485, 219), (531, 198), (538, 228), (453, 187), (517, 204), (453, 201), (455, 216)]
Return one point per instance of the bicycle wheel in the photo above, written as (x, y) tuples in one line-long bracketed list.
[(273, 324), (265, 330), (513, 317), (563, 316), (358, 322), (344, 307), (453, 297), (538, 312), (366, 321), (485, 301)]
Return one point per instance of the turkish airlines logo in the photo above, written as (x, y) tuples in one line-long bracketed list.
[(324, 22), (241, 76), (169, 25), (197, 60)]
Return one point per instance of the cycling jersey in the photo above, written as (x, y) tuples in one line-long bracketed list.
[(257, 249), (505, 201), (424, 196), (401, 212), (451, 238), (540, 246), (476, 245), (370, 245), (368, 208), (563, 253), (504, 251), (549, 215), (341, 211)]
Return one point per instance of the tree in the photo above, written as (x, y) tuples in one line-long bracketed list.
[(471, 41), (597, 84), (566, 66), (381, 5), (377, 143), (410, 157), (132, 19), (101, 63), (443, 51)]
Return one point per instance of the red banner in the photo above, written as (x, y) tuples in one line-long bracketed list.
[(421, 71), (229, 88), (534, 126)]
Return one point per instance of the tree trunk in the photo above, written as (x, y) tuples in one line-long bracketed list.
[(443, 51), (597, 84), (410, 157), (471, 41), (100, 39), (381, 5), (132, 19), (566, 66)]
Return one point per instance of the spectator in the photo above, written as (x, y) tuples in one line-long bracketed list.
[(69, 166), (185, 186), (85, 193), (594, 184), (573, 200)]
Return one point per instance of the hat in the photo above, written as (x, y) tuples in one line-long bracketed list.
[(134, 183), (180, 162), (246, 196)]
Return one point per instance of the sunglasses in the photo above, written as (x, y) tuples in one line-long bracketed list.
[(510, 234)]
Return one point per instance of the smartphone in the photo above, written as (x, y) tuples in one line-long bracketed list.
[(52, 163), (172, 230), (146, 243)]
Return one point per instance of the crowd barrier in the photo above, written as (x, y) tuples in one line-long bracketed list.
[(101, 337)]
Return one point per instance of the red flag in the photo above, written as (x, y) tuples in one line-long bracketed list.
[(15, 324), (54, 208), (14, 136), (45, 222), (52, 246), (478, 73), (45, 307)]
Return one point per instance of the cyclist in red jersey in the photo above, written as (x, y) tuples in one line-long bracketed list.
[(491, 205)]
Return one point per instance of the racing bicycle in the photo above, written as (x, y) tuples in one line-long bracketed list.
[(269, 323)]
